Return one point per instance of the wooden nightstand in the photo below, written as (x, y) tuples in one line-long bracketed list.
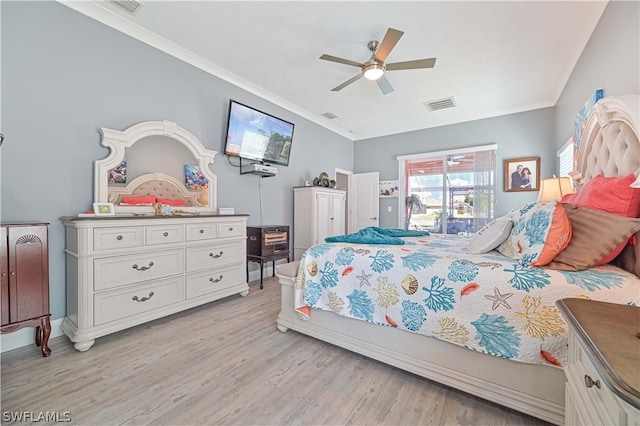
[(603, 371)]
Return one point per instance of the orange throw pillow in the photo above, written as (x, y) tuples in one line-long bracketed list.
[(147, 199), (170, 202)]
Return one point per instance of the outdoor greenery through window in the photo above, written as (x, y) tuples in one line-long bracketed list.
[(452, 193)]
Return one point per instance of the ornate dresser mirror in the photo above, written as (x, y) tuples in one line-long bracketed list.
[(167, 165)]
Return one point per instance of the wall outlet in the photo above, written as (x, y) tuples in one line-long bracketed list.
[(389, 209)]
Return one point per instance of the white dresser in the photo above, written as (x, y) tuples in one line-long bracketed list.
[(603, 371), (318, 213), (124, 271)]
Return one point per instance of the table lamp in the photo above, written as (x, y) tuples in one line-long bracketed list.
[(554, 188)]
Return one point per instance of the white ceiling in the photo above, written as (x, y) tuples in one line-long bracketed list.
[(495, 58)]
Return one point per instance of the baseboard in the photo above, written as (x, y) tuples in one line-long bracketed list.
[(26, 336)]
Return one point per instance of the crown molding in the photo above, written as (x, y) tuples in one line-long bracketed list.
[(107, 17)]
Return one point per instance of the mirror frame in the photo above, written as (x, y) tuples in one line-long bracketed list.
[(117, 141)]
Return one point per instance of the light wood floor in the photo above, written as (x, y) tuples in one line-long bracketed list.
[(226, 363)]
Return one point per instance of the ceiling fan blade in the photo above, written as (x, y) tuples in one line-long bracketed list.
[(411, 65), (346, 83), (384, 85), (388, 42), (341, 60)]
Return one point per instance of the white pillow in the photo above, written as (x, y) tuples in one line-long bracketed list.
[(491, 235)]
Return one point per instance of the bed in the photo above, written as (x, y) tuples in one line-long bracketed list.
[(522, 369)]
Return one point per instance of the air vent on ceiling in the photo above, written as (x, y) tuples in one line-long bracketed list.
[(131, 6), (329, 115), (449, 102)]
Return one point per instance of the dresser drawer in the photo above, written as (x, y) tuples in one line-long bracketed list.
[(202, 231), (118, 238), (116, 271), (163, 234), (201, 283), (214, 256), (231, 229), (118, 304)]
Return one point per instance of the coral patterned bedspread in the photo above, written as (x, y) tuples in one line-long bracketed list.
[(435, 287)]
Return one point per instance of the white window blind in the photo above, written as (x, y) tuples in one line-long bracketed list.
[(565, 158)]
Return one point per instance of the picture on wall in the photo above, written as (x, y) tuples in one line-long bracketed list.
[(194, 179), (388, 189), (119, 173), (522, 174)]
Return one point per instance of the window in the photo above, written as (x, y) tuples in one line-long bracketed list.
[(450, 192), (565, 158)]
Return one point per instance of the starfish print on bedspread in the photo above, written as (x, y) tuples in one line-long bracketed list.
[(364, 278), (498, 299)]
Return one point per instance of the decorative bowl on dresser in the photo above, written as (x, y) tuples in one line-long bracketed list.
[(123, 271), (603, 372)]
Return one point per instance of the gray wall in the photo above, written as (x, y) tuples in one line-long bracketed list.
[(65, 75), (610, 61), (526, 134)]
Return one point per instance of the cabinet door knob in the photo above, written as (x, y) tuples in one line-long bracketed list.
[(4, 274), (589, 382), (202, 231), (216, 280), (166, 234), (13, 272), (119, 237), (215, 256)]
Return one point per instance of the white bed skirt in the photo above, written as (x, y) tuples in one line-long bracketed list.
[(536, 390)]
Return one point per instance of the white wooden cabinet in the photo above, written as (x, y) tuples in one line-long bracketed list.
[(603, 380), (124, 271), (318, 213)]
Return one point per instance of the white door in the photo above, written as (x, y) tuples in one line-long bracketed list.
[(364, 201)]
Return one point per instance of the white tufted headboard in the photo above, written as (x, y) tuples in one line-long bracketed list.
[(611, 147), (159, 185), (610, 144)]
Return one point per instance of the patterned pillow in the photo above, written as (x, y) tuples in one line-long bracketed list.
[(506, 247), (491, 235), (595, 234), (539, 234)]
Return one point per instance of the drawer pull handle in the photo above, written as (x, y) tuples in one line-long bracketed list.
[(202, 231), (166, 234), (231, 229), (217, 280), (215, 256), (142, 268), (143, 299), (119, 237), (589, 382)]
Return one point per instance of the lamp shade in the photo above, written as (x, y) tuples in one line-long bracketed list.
[(554, 189)]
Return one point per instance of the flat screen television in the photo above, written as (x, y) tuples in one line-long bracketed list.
[(257, 136)]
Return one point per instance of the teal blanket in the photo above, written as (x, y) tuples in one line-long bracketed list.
[(375, 235)]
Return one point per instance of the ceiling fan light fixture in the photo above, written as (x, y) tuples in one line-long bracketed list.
[(373, 71)]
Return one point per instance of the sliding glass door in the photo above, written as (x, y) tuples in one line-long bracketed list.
[(450, 193)]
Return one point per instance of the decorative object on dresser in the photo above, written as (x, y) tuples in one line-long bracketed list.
[(318, 213), (24, 268), (124, 271), (603, 380), (267, 244)]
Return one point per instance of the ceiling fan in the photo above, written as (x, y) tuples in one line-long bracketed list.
[(375, 67)]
